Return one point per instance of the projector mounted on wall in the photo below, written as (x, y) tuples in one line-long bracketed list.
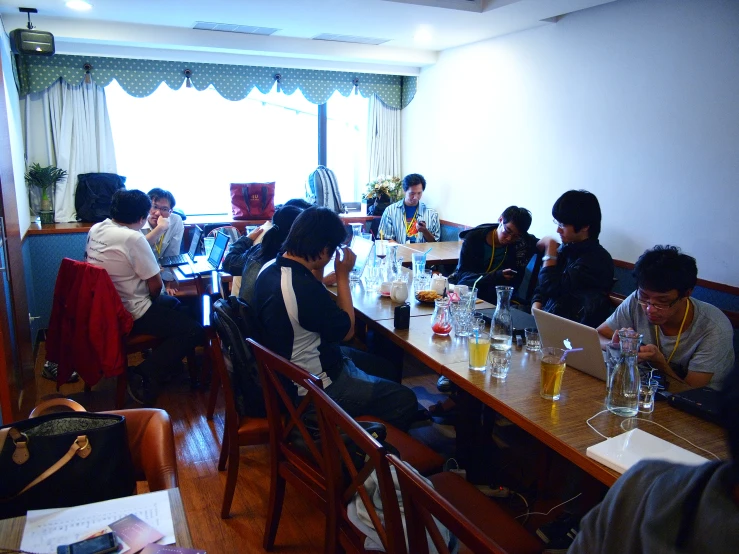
[(30, 41)]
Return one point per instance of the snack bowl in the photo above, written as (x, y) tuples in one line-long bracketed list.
[(427, 296)]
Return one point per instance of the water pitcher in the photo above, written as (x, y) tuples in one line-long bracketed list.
[(501, 333), (623, 388)]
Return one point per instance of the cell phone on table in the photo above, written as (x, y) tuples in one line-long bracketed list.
[(95, 545)]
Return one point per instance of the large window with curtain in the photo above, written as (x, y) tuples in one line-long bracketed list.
[(194, 143)]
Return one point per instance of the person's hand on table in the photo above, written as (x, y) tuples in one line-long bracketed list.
[(344, 261), (255, 233), (171, 287)]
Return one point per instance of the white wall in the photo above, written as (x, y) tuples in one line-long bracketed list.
[(635, 101), (16, 135)]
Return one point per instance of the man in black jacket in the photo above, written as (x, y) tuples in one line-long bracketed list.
[(499, 252), (576, 276)]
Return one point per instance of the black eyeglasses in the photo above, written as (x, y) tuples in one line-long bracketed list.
[(656, 306), (506, 231), (160, 209)]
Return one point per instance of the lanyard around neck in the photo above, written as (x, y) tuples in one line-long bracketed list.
[(680, 332), (492, 256), (159, 245), (409, 224)]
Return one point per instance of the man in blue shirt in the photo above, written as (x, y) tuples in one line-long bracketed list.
[(303, 323), (409, 220)]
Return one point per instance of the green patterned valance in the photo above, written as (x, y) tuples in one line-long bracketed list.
[(142, 77)]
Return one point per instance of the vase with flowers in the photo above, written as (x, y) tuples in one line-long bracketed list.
[(382, 192), (41, 183)]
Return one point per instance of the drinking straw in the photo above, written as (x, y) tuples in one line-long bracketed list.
[(474, 285), (564, 354), (427, 251)]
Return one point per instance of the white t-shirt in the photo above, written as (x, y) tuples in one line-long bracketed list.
[(127, 258)]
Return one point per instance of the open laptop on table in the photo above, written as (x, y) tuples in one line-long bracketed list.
[(555, 330), (362, 248), (189, 256), (203, 264)]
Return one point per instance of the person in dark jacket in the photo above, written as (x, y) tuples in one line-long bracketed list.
[(499, 252), (576, 276)]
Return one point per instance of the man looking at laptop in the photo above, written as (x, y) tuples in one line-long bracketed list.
[(576, 277), (686, 339), (118, 246), (164, 230), (498, 251), (409, 220), (301, 321)]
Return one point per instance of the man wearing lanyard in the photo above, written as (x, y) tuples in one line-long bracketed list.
[(409, 220), (684, 338), (163, 231)]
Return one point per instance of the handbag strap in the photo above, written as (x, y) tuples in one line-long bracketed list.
[(80, 447)]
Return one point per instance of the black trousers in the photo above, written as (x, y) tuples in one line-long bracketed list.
[(167, 319)]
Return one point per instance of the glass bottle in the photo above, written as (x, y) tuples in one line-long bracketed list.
[(441, 321), (501, 332), (623, 389)]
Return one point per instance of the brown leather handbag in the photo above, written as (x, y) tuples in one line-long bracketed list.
[(252, 200), (64, 459)]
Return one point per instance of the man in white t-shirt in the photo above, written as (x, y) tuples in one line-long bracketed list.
[(118, 245), (164, 230)]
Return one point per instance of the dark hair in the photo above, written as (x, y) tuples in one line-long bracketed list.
[(520, 217), (664, 268), (412, 180), (299, 203), (578, 208), (315, 230), (283, 221), (729, 414), (157, 193), (129, 206)]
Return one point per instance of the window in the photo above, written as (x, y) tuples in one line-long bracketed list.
[(195, 143)]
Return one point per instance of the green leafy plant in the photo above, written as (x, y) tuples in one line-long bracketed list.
[(44, 178), (389, 186)]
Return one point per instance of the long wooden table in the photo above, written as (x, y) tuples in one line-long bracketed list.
[(445, 252), (561, 425), (11, 530)]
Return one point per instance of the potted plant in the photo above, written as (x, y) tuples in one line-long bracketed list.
[(41, 183), (382, 192)]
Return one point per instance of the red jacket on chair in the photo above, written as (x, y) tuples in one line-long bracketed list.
[(88, 323)]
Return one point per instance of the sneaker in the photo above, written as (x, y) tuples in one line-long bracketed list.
[(50, 372), (141, 390), (559, 534), (444, 384)]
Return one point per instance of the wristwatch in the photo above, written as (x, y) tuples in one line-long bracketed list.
[(547, 257)]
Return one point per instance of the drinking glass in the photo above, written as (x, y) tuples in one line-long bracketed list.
[(372, 278), (533, 342), (500, 355), (647, 390), (478, 346), (552, 370), (419, 262)]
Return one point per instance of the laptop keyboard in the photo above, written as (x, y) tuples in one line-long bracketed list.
[(173, 260)]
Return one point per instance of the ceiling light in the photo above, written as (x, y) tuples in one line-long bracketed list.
[(79, 5), (423, 35)]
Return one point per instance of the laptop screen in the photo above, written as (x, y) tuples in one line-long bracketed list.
[(363, 249), (219, 247), (196, 234)]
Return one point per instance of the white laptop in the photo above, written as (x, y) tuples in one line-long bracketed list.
[(559, 332)]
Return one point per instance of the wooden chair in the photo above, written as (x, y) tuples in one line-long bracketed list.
[(474, 519), (341, 534), (295, 455), (150, 439), (237, 431)]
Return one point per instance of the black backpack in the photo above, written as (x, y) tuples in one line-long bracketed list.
[(94, 193)]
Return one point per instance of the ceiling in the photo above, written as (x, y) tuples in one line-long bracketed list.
[(164, 28)]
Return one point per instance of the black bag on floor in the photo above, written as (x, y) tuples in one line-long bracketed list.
[(94, 193), (64, 459)]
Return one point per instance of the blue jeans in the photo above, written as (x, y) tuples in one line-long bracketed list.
[(362, 393)]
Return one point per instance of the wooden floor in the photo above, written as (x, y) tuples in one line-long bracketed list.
[(198, 445)]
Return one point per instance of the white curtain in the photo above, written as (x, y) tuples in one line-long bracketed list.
[(68, 126), (383, 155)]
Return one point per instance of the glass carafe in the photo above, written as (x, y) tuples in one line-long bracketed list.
[(441, 321), (501, 332), (623, 388)]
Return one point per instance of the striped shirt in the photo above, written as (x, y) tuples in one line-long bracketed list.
[(393, 222)]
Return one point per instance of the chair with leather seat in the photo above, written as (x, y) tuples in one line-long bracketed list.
[(295, 455), (150, 438), (477, 521), (238, 430)]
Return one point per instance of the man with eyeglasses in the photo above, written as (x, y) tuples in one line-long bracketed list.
[(686, 339), (164, 230), (576, 276), (499, 252)]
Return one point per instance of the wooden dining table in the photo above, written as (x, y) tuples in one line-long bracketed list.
[(560, 425), (441, 253), (11, 529)]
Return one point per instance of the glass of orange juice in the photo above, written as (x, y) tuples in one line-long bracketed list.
[(552, 370), (478, 346)]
